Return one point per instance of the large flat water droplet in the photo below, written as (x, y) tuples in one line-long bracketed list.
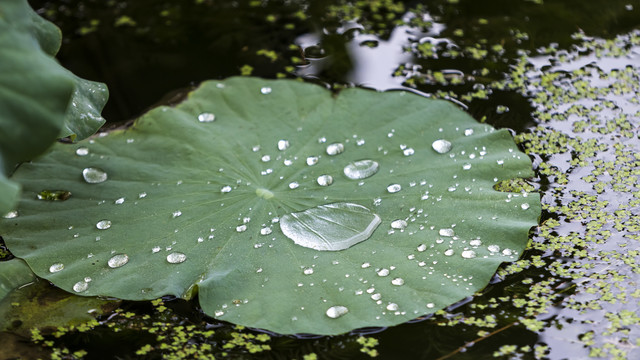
[(441, 146), (94, 175), (118, 260), (361, 169), (330, 227), (82, 151)]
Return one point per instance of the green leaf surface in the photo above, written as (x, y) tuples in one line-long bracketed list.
[(38, 97), (13, 274), (199, 195)]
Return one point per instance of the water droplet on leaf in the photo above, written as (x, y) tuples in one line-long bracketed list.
[(361, 169), (397, 281), (325, 180), (330, 227), (335, 149), (394, 188), (337, 311), (206, 117), (176, 258), (103, 224), (283, 145), (94, 175), (82, 151), (441, 146), (399, 224), (118, 260), (312, 160), (56, 267)]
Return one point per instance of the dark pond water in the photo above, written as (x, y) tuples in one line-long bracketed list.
[(150, 52)]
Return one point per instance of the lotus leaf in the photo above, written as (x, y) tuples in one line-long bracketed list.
[(283, 205), (39, 99)]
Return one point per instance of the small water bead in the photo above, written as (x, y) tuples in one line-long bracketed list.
[(283, 145), (394, 188), (226, 189), (56, 267), (493, 248), (500, 162), (11, 214), (307, 271), (176, 258), (446, 232), (466, 166), (365, 265), (265, 231), (361, 169), (507, 252), (376, 296), (335, 149), (408, 151), (325, 180), (103, 224), (468, 132), (383, 272), (337, 311), (94, 175), (142, 195), (524, 206), (218, 313), (82, 151), (266, 158), (392, 307), (397, 281), (441, 146), (293, 185), (430, 305), (265, 90), (468, 254), (176, 213), (206, 117), (118, 260), (399, 224), (475, 242), (119, 201), (422, 247), (449, 252), (80, 286), (241, 228), (156, 249), (312, 160)]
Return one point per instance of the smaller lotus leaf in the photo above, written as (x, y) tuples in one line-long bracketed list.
[(39, 99), (13, 274), (288, 207)]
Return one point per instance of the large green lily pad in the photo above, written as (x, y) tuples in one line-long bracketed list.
[(39, 99), (382, 221)]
